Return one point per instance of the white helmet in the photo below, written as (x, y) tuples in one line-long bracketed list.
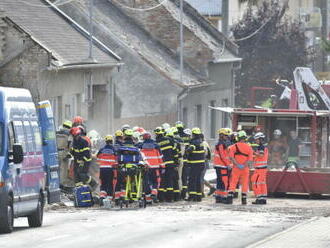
[(187, 131), (259, 135), (277, 132)]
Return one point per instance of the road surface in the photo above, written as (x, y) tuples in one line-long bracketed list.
[(169, 225)]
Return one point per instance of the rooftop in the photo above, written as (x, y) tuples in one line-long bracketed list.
[(65, 40), (207, 7)]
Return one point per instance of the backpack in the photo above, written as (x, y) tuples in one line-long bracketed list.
[(83, 196), (128, 155)]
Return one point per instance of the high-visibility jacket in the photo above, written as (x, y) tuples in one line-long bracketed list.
[(151, 154), (260, 157), (196, 153), (106, 157), (169, 151), (241, 152), (221, 156), (81, 149)]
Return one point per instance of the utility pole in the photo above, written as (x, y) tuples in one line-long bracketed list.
[(181, 41), (181, 58), (225, 16), (91, 7)]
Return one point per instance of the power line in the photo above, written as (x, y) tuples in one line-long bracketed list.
[(139, 9), (56, 3), (254, 33)]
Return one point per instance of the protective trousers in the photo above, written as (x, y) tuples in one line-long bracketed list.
[(184, 178), (240, 176), (194, 184), (109, 179), (81, 174), (259, 185), (152, 182), (171, 183), (222, 182)]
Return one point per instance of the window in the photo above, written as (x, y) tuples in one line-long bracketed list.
[(198, 116), (19, 134), (185, 116), (37, 136), (225, 116), (29, 136), (212, 120)]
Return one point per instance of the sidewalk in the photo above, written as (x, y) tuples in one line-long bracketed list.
[(314, 233)]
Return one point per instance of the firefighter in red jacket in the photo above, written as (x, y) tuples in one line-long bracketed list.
[(259, 176), (151, 154), (107, 160), (81, 153), (241, 155), (222, 164)]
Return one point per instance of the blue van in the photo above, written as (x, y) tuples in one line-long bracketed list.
[(24, 182)]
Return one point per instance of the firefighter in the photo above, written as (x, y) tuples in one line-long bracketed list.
[(177, 146), (186, 166), (259, 176), (79, 121), (119, 138), (152, 155), (277, 149), (241, 156), (196, 159), (64, 140), (168, 175), (222, 163), (81, 152), (107, 159)]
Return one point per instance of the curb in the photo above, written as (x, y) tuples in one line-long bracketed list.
[(258, 243)]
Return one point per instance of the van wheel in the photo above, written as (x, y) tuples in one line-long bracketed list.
[(35, 219), (7, 219)]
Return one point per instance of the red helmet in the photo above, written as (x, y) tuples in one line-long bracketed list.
[(146, 136), (78, 120), (75, 131)]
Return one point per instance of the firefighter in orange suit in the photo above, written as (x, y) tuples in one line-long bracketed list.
[(241, 155), (258, 179), (221, 163), (107, 160), (152, 156)]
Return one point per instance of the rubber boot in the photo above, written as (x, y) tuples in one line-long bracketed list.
[(244, 200), (235, 195), (257, 201), (183, 193), (161, 196), (217, 199), (177, 196), (263, 201), (191, 198), (169, 196), (230, 198), (198, 198)]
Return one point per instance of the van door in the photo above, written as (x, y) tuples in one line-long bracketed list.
[(48, 134), (15, 169)]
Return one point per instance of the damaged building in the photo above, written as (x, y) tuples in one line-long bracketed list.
[(148, 87), (44, 51)]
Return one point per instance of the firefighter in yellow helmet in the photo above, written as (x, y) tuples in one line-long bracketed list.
[(195, 154)]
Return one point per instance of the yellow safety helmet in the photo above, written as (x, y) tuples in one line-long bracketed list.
[(67, 124), (196, 130), (241, 135), (179, 124), (108, 138), (159, 130), (128, 132), (119, 133)]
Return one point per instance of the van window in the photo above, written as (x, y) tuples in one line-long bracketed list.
[(11, 136), (19, 134), (37, 136), (29, 136)]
